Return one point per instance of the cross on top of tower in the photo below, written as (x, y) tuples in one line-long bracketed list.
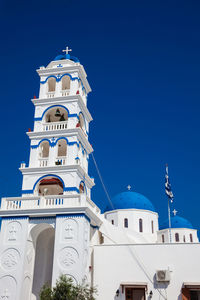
[(67, 50), (129, 187), (174, 212)]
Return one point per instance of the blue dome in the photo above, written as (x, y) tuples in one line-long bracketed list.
[(128, 200), (176, 222), (67, 56)]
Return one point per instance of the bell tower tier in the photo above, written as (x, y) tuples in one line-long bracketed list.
[(55, 211)]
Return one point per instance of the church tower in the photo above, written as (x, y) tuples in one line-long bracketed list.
[(46, 232)]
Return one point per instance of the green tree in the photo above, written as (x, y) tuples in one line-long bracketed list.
[(66, 290)]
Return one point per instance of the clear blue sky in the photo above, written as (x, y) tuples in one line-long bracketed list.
[(143, 63)]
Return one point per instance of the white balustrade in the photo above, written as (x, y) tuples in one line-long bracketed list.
[(65, 92), (43, 162), (55, 126), (50, 94), (50, 201), (61, 161)]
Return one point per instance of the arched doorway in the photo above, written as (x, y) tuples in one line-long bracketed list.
[(43, 236)]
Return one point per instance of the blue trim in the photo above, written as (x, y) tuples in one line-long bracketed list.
[(58, 78), (15, 218), (73, 215), (44, 112), (70, 189), (53, 144), (94, 227)]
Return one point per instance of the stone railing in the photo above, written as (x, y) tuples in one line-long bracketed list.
[(43, 162), (54, 201), (61, 161), (55, 126), (65, 92), (50, 94)]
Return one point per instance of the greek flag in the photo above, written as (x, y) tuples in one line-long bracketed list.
[(168, 190)]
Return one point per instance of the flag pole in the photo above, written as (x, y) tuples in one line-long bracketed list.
[(169, 217), (169, 209)]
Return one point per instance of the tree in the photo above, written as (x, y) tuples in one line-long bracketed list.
[(66, 290)]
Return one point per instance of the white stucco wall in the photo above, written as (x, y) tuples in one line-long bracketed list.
[(114, 264)]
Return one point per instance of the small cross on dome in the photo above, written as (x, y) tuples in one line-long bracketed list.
[(129, 187), (67, 50), (174, 212)]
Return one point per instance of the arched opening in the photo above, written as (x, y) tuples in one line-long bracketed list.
[(56, 114), (81, 121), (81, 188), (163, 238), (125, 223), (191, 238), (140, 225), (44, 149), (51, 84), (65, 83), (184, 239), (62, 148), (49, 185), (43, 236), (112, 222), (176, 237)]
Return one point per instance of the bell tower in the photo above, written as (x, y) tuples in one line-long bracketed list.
[(46, 231)]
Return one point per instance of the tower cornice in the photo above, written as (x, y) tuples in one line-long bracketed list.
[(62, 100), (78, 132), (69, 69)]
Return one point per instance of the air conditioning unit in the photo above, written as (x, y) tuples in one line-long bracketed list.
[(163, 275)]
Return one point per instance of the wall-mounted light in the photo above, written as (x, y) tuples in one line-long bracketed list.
[(150, 294), (117, 293)]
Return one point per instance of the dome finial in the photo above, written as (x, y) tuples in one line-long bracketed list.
[(129, 187), (174, 212), (67, 50)]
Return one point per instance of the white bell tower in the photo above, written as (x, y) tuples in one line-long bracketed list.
[(47, 231)]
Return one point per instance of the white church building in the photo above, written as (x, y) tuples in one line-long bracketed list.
[(55, 227)]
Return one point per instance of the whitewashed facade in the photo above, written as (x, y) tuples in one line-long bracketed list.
[(55, 228)]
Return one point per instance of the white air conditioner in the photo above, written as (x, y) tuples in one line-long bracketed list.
[(163, 275)]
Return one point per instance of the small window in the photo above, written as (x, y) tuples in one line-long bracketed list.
[(66, 83), (152, 227), (126, 223), (163, 238), (176, 237), (112, 222), (51, 84), (191, 238), (140, 225), (184, 238)]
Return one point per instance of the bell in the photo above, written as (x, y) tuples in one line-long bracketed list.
[(62, 118), (57, 114)]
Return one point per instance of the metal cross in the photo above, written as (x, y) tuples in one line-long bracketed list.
[(67, 50), (129, 187), (5, 294), (174, 212)]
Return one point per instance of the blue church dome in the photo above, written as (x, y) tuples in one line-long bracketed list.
[(67, 56), (176, 222), (128, 200)]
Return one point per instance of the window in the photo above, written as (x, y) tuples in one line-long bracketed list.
[(44, 149), (62, 148), (112, 222), (81, 188), (152, 227), (176, 237), (140, 225), (184, 238), (51, 84), (163, 238), (126, 223), (191, 238), (66, 83)]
